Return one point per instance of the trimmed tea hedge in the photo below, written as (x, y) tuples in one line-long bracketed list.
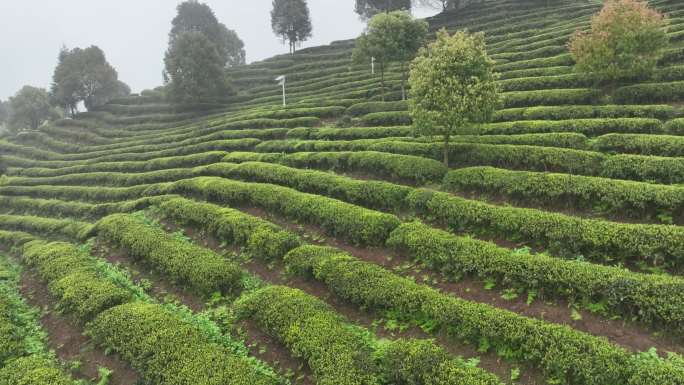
[(657, 300), (650, 93), (336, 352), (184, 262), (169, 350), (561, 234), (661, 112), (633, 199), (659, 145), (24, 355), (564, 354), (551, 97), (74, 279), (261, 238), (589, 127), (357, 224), (644, 168)]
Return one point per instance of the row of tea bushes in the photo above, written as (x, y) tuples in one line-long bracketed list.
[(165, 346), (185, 263), (635, 200), (564, 354), (24, 354)]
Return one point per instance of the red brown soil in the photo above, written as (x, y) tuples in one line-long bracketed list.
[(632, 336), (161, 289), (259, 344), (66, 339), (275, 274)]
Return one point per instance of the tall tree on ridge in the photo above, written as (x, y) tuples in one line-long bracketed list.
[(194, 16), (83, 75), (194, 69), (369, 8), (291, 21), (391, 37), (29, 109)]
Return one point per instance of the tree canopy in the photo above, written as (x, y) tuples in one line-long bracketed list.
[(84, 75), (4, 112), (391, 37), (194, 16), (291, 21), (453, 85), (369, 8), (194, 69), (625, 41), (29, 109)]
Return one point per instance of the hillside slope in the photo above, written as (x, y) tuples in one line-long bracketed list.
[(551, 248)]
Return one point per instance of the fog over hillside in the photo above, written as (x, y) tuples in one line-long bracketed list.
[(134, 34)]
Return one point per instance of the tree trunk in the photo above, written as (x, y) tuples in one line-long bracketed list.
[(446, 149), (403, 81), (382, 80)]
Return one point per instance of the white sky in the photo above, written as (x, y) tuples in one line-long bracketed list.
[(133, 34)]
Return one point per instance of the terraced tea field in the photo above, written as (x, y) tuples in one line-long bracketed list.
[(248, 243)]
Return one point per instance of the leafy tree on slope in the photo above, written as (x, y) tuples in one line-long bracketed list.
[(391, 37), (194, 69), (291, 21), (369, 8), (453, 85), (83, 75), (194, 16), (625, 41), (30, 108)]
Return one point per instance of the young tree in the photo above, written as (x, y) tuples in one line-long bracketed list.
[(4, 112), (234, 47), (391, 37), (453, 85), (290, 20), (194, 16), (194, 69), (369, 8), (83, 75), (30, 108), (625, 41)]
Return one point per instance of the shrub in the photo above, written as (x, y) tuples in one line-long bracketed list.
[(374, 194), (675, 126), (561, 234), (552, 97), (652, 299), (453, 84), (388, 118), (423, 362), (589, 127), (627, 38), (545, 82), (660, 145), (365, 108), (261, 238), (650, 93), (45, 226), (644, 168), (33, 370), (168, 349), (662, 112), (336, 352), (564, 355), (199, 268), (73, 279), (326, 133), (359, 225), (625, 198)]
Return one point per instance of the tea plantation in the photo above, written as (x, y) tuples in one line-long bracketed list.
[(323, 243)]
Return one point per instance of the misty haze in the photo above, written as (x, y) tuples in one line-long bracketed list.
[(342, 192)]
